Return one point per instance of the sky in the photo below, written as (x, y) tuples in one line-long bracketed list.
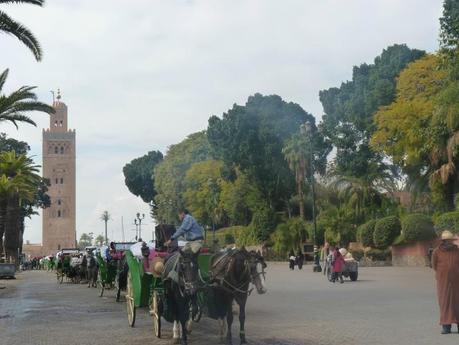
[(141, 75)]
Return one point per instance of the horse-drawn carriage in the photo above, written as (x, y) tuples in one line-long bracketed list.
[(174, 289), (64, 265), (112, 270)]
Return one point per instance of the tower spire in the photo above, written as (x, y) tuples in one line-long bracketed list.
[(58, 95)]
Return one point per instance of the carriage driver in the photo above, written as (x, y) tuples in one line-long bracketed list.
[(191, 230)]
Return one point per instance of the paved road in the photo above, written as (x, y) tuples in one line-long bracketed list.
[(387, 306)]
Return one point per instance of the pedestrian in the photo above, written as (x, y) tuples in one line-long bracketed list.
[(300, 259), (337, 266), (445, 262), (291, 259), (323, 256)]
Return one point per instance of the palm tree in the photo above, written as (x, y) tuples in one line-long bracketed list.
[(105, 217), (12, 27), (296, 152), (19, 181), (14, 106)]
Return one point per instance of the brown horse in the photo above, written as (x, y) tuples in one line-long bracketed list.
[(232, 272)]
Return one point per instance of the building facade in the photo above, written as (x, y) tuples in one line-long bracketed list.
[(59, 163)]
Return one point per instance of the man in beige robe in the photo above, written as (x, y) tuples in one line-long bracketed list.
[(445, 262)]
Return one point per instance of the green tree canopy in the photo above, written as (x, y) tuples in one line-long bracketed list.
[(251, 138), (170, 175), (349, 110), (139, 177)]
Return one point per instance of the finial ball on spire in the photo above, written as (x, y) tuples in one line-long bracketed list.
[(58, 94)]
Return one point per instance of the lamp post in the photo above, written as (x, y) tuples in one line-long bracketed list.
[(136, 229), (139, 221), (306, 129)]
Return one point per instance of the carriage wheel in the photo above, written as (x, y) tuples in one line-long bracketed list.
[(100, 285), (156, 314), (130, 304)]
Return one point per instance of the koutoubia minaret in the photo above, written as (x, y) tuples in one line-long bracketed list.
[(59, 222)]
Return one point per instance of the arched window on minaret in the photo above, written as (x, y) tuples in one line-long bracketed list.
[(59, 213), (56, 150), (62, 150)]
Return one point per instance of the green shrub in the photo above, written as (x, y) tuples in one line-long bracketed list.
[(386, 230), (357, 254), (263, 223), (229, 239), (365, 233), (417, 227), (448, 221), (379, 254)]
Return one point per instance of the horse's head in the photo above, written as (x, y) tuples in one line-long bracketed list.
[(257, 267), (189, 272)]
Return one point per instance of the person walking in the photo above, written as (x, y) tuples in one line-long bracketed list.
[(300, 259), (337, 266), (445, 262), (291, 259)]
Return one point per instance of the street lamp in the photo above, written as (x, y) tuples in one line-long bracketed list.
[(306, 129), (138, 221)]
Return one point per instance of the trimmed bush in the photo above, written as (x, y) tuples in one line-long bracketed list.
[(386, 230), (365, 233), (357, 254), (417, 227), (379, 254), (448, 221)]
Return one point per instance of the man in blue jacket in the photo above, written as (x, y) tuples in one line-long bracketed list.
[(190, 230)]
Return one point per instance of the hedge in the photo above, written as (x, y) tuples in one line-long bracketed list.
[(379, 254), (417, 227), (448, 221), (386, 230), (365, 233)]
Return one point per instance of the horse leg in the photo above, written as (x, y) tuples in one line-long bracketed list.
[(229, 322), (176, 332), (221, 324), (183, 321), (242, 319)]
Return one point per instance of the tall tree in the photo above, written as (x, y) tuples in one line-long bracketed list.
[(105, 217), (251, 138), (449, 25), (349, 109), (419, 130), (19, 183), (15, 106), (9, 26), (170, 175), (139, 177)]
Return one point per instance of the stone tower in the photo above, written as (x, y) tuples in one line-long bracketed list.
[(59, 223)]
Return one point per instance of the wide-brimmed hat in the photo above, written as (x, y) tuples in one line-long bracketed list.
[(343, 251), (447, 235), (157, 266)]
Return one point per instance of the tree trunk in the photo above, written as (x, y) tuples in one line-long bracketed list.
[(300, 197), (3, 203), (12, 229), (450, 193)]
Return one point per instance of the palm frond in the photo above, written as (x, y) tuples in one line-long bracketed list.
[(17, 118), (3, 78), (30, 2), (22, 33)]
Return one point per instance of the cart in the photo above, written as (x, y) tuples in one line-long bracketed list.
[(350, 270), (145, 289), (106, 274), (121, 267), (63, 268)]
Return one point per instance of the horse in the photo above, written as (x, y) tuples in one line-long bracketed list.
[(181, 282), (231, 274)]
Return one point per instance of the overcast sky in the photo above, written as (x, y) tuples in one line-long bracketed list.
[(141, 75)]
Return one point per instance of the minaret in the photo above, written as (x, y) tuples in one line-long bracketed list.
[(59, 222)]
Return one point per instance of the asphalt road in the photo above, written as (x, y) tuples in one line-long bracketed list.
[(386, 306)]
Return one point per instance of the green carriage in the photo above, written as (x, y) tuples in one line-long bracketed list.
[(62, 263), (145, 289), (106, 274)]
